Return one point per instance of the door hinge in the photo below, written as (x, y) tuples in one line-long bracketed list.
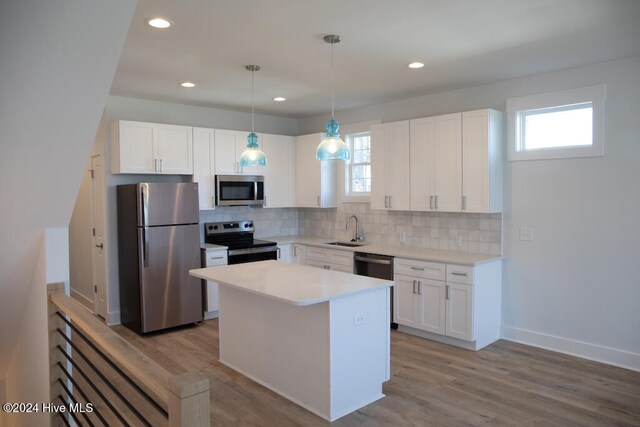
[(93, 231), (95, 289), (91, 170)]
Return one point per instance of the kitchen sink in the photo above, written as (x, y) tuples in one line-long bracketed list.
[(345, 244)]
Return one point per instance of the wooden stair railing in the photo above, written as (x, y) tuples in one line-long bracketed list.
[(91, 364)]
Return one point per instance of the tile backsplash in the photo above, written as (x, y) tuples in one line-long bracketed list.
[(465, 232)]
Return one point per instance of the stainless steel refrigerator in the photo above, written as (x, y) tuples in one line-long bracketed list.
[(158, 243)]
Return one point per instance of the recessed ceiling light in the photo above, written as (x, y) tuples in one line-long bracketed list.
[(416, 65), (159, 23), (279, 99), (187, 84)]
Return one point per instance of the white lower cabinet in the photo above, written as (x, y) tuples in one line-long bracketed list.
[(329, 259), (285, 252), (212, 258), (456, 304)]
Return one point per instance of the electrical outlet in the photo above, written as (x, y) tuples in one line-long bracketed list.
[(359, 319), (526, 234)]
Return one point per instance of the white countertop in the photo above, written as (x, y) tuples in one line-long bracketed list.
[(423, 254), (291, 283)]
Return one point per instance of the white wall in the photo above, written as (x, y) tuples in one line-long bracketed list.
[(574, 289), (123, 108), (58, 61)]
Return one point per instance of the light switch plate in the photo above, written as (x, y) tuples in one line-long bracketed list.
[(526, 234)]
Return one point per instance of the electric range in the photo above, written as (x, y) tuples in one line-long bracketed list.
[(238, 237)]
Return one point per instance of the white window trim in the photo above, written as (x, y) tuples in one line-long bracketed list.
[(344, 131), (594, 94)]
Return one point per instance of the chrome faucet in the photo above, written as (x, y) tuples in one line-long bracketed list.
[(357, 238)]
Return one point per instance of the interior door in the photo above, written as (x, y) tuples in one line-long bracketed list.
[(97, 219), (169, 295)]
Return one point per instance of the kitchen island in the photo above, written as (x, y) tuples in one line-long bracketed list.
[(319, 338)]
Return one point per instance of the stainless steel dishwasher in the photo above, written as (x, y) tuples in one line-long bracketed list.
[(378, 266)]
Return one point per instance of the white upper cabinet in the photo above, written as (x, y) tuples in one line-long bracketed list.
[(278, 174), (436, 163), (203, 163), (390, 176), (151, 148), (482, 161), (229, 146), (456, 162), (316, 182)]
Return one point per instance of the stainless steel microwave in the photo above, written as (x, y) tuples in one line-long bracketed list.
[(239, 190)]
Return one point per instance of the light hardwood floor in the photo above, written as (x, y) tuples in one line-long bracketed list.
[(431, 384)]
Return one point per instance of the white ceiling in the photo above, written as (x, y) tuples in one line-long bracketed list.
[(462, 42)]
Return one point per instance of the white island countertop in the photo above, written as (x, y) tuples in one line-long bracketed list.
[(291, 283)]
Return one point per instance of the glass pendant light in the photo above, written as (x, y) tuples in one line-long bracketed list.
[(332, 146), (252, 155)]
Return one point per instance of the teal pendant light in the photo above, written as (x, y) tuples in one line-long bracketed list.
[(252, 155), (332, 146)]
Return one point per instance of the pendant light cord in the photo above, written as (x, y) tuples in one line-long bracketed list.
[(332, 81), (252, 101)]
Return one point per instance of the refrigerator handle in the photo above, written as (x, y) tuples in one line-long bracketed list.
[(145, 246), (144, 203)]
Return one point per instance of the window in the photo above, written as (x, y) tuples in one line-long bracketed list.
[(557, 125), (358, 167)]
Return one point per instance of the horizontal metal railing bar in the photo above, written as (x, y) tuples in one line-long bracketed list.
[(64, 418), (73, 399), (102, 377), (85, 397), (148, 374), (104, 357), (67, 404), (98, 392)]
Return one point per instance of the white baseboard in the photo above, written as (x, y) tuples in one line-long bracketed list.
[(598, 353), (113, 318)]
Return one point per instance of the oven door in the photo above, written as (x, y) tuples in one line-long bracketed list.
[(239, 190), (240, 256)]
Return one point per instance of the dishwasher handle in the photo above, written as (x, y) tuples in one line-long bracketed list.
[(372, 260)]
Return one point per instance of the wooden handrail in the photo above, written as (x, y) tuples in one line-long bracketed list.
[(174, 393)]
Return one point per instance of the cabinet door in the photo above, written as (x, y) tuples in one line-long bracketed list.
[(459, 310), (284, 252), (379, 195), (431, 296), (212, 296), (134, 151), (225, 152), (307, 171), (421, 155), (448, 163), (475, 149), (397, 158), (203, 161), (405, 302), (278, 174), (174, 145)]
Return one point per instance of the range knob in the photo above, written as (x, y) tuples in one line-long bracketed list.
[(246, 225), (210, 227), (215, 227), (250, 224)]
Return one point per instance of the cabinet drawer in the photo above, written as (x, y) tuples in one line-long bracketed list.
[(460, 274), (213, 259), (422, 269), (330, 256)]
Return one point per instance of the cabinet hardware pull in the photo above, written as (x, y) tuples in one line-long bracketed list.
[(414, 286), (237, 167), (430, 202), (390, 204), (217, 257), (458, 274), (101, 246), (446, 292), (386, 201), (295, 251), (417, 268), (419, 287), (278, 249), (436, 202), (155, 165), (161, 165), (464, 203)]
